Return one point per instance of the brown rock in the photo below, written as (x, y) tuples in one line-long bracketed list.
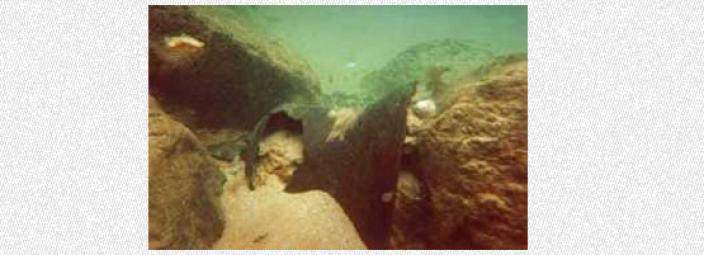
[(270, 218), (282, 154), (183, 187), (473, 159), (411, 214), (223, 68)]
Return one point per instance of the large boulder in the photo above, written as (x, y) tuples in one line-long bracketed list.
[(214, 61), (471, 164), (436, 66), (269, 218), (184, 185)]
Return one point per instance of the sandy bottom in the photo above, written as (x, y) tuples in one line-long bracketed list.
[(269, 218)]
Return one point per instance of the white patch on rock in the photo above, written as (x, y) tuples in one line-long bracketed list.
[(344, 120), (425, 108)]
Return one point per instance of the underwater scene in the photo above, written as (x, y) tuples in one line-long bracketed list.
[(338, 127)]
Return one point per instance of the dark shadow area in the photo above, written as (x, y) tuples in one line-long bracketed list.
[(282, 121), (226, 82), (361, 171)]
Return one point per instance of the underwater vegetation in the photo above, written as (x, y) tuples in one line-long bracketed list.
[(427, 62), (250, 149)]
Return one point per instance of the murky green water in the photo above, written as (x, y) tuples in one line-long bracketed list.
[(344, 43)]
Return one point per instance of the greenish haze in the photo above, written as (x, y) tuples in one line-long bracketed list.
[(345, 43)]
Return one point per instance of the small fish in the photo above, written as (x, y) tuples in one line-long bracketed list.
[(252, 150), (351, 64), (260, 238)]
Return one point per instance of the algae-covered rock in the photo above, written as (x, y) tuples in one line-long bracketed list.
[(473, 159), (436, 65), (214, 61), (183, 187)]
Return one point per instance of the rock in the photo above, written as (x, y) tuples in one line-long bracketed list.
[(223, 144), (411, 213), (281, 154), (210, 137), (184, 186), (339, 99), (228, 150), (213, 61), (269, 218), (425, 108), (473, 161), (436, 65), (413, 123)]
